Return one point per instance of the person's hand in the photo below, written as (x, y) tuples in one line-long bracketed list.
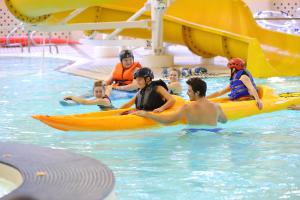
[(68, 98), (117, 87), (140, 113), (259, 104), (293, 107), (158, 110), (109, 87), (128, 112)]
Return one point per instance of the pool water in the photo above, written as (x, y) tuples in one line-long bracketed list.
[(252, 158)]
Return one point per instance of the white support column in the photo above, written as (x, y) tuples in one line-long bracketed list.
[(158, 58), (158, 8)]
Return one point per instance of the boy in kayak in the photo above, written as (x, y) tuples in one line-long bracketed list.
[(174, 84), (242, 86), (152, 95), (199, 112), (122, 76), (101, 95)]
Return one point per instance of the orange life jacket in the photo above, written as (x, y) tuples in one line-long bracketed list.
[(123, 76)]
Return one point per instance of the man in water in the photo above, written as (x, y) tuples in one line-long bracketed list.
[(200, 111)]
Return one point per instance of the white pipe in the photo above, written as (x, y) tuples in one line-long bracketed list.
[(93, 35), (135, 42), (139, 13), (31, 33), (90, 26), (12, 31), (72, 15)]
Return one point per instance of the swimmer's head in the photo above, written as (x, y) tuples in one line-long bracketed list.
[(99, 89), (143, 77), (126, 58), (174, 75), (197, 88), (236, 63)]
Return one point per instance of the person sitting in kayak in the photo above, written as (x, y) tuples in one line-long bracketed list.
[(174, 84), (200, 111), (152, 95), (122, 75), (241, 85), (101, 95)]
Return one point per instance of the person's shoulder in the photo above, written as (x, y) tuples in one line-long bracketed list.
[(211, 104), (160, 88), (105, 97), (245, 73), (101, 99), (186, 106), (175, 83), (194, 105), (245, 77), (95, 99), (217, 106), (160, 84), (118, 65)]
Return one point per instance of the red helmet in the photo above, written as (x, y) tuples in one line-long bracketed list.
[(236, 63)]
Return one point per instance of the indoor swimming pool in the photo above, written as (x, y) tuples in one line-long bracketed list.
[(251, 158)]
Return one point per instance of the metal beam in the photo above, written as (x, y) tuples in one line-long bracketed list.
[(72, 15), (133, 43), (90, 26)]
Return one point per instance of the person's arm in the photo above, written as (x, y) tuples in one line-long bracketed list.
[(164, 119), (129, 103), (252, 91), (104, 102), (222, 117), (167, 96), (108, 89), (219, 93), (130, 87), (110, 79)]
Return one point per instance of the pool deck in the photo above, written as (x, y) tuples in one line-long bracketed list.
[(86, 64), (52, 174)]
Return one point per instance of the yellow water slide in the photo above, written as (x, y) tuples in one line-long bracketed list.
[(207, 27)]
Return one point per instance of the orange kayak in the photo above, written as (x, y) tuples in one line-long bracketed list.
[(112, 120)]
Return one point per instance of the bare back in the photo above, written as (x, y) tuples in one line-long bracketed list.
[(203, 112)]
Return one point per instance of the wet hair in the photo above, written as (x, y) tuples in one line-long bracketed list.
[(198, 86), (99, 84), (177, 71)]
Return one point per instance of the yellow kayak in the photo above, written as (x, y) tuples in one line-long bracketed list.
[(112, 120)]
